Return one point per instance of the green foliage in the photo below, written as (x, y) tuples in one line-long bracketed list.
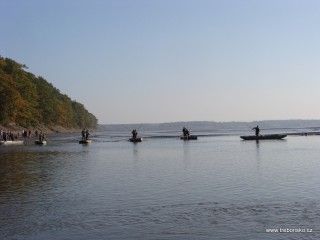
[(28, 100)]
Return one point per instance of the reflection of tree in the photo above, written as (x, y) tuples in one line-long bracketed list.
[(19, 170), (36, 184), (25, 171)]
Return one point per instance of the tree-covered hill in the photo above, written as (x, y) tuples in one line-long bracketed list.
[(27, 100)]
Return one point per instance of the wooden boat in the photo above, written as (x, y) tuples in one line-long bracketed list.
[(40, 142), (85, 141), (9, 142), (264, 137), (135, 139), (191, 137)]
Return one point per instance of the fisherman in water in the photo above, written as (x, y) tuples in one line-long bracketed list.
[(87, 134), (83, 133), (134, 133), (185, 132), (257, 129), (42, 137)]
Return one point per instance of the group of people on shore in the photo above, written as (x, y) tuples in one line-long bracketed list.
[(13, 136), (7, 136), (27, 133)]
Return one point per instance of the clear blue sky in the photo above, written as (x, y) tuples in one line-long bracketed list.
[(141, 61)]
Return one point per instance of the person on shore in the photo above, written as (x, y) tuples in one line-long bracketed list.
[(11, 137), (257, 129), (5, 136), (134, 133)]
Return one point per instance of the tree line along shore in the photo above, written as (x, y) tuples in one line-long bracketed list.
[(32, 103)]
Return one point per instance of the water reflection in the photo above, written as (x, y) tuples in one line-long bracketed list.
[(17, 172), (186, 149), (258, 155), (135, 147), (24, 169), (158, 189)]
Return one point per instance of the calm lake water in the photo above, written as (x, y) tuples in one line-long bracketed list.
[(163, 188)]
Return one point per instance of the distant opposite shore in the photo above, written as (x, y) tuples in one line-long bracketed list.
[(308, 125)]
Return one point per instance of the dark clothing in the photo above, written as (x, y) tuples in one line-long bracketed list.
[(42, 137), (257, 130), (87, 134), (134, 133), (185, 132), (83, 133)]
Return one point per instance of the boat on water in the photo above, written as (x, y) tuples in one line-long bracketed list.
[(264, 137), (85, 141), (191, 137), (9, 142), (40, 142), (135, 139)]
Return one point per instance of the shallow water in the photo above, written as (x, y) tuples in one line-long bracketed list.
[(163, 188)]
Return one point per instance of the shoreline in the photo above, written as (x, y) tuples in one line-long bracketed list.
[(55, 129)]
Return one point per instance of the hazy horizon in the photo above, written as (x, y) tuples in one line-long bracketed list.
[(169, 61), (199, 121)]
